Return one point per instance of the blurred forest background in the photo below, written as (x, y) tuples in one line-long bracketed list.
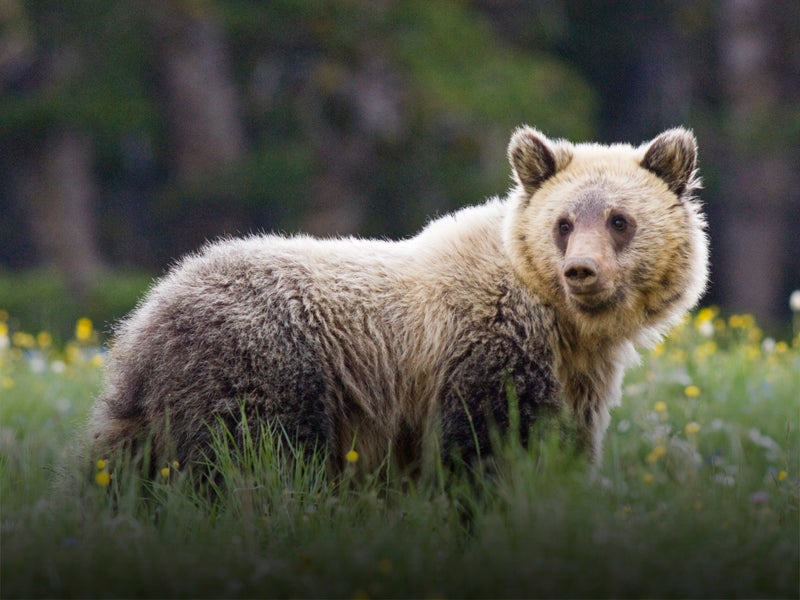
[(133, 130)]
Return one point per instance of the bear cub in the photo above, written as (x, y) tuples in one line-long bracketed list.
[(382, 346)]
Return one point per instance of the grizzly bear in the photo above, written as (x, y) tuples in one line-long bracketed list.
[(380, 345)]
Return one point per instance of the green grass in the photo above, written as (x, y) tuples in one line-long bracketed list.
[(697, 496)]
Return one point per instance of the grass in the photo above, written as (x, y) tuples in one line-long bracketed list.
[(697, 496)]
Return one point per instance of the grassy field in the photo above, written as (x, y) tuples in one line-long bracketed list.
[(697, 496)]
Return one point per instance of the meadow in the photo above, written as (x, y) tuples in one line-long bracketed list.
[(698, 495)]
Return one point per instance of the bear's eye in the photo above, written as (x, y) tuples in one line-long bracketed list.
[(564, 227), (619, 223)]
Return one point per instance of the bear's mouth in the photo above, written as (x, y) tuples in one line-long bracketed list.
[(592, 303)]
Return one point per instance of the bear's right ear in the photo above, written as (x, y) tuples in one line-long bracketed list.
[(532, 158)]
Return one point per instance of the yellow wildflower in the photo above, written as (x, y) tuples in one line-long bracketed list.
[(97, 360), (656, 453), (83, 329), (3, 328), (101, 464), (73, 353), (165, 472), (706, 314), (692, 428), (704, 350), (23, 340), (782, 475), (691, 391), (781, 347), (102, 478), (44, 339), (704, 321), (753, 352), (660, 406), (351, 456), (741, 321), (175, 464), (648, 478)]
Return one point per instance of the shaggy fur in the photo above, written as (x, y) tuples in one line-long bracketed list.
[(378, 344)]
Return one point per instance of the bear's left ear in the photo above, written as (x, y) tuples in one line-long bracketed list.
[(532, 158), (673, 157)]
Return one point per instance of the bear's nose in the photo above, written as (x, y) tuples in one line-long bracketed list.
[(581, 272)]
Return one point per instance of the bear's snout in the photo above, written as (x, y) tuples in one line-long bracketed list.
[(582, 274), (587, 268)]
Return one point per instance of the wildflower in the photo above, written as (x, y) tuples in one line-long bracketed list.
[(656, 453), (165, 472), (102, 478), (175, 464), (725, 479), (97, 360), (704, 350), (781, 347), (704, 322), (691, 391), (23, 340), (648, 478), (351, 456), (741, 321), (706, 328), (44, 339), (101, 464), (73, 353), (782, 475), (660, 406), (706, 314), (83, 330), (794, 301), (759, 498), (692, 428), (37, 362), (719, 325)]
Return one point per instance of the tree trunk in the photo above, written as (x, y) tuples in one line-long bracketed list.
[(760, 178), (201, 113), (55, 181)]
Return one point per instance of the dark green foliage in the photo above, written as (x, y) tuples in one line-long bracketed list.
[(41, 300)]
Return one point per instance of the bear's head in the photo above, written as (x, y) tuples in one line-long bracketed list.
[(611, 237)]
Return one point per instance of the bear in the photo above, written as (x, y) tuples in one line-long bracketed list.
[(380, 346)]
